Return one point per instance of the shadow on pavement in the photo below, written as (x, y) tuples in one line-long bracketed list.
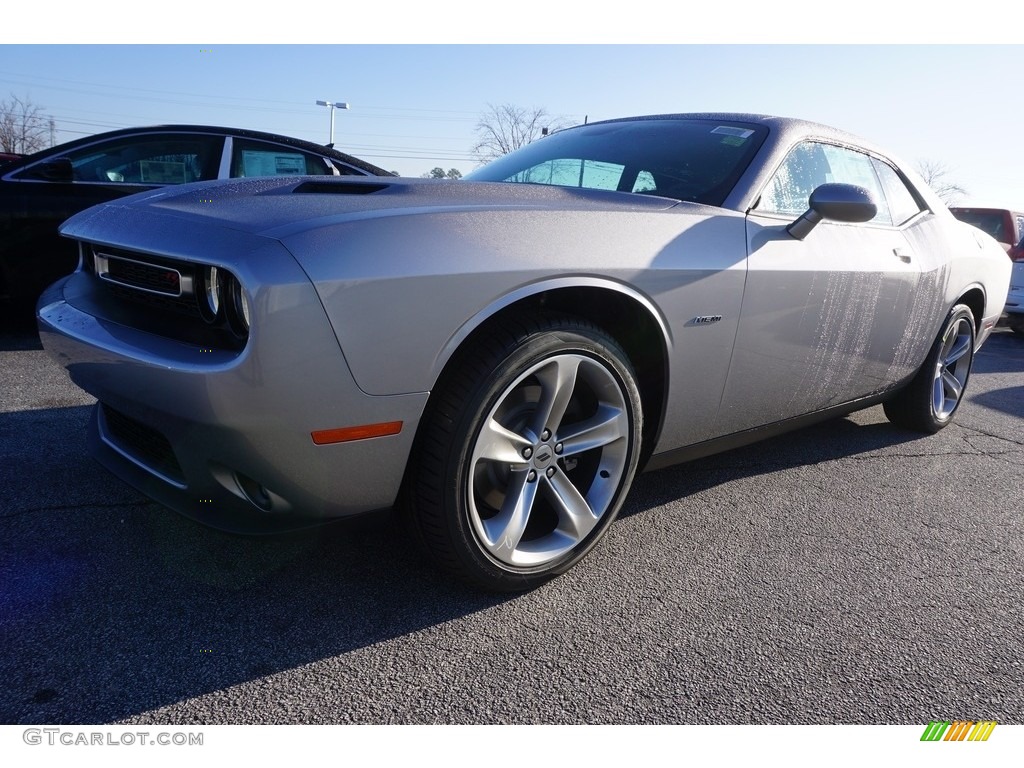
[(828, 441), (111, 605)]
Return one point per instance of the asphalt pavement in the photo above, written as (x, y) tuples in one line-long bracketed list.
[(851, 572)]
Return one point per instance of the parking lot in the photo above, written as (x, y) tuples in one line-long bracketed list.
[(847, 573)]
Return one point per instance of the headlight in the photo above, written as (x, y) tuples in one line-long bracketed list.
[(241, 302), (213, 285), (223, 301)]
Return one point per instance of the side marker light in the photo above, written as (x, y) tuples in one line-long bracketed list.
[(363, 432)]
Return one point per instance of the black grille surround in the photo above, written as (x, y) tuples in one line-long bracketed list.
[(159, 295)]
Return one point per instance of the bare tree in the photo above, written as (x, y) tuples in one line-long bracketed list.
[(23, 126), (936, 175), (506, 127)]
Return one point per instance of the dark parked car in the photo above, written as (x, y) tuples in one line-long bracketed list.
[(39, 191), (503, 354)]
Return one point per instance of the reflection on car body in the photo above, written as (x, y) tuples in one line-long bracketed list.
[(500, 355)]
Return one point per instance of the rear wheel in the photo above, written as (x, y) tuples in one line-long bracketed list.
[(527, 450), (928, 403)]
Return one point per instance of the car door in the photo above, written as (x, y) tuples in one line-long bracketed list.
[(823, 319), (37, 198)]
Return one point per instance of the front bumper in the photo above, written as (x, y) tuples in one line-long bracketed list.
[(225, 437)]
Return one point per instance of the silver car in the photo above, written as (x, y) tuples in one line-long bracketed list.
[(500, 355), (1015, 298)]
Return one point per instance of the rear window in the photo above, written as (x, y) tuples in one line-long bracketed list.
[(693, 160), (259, 158)]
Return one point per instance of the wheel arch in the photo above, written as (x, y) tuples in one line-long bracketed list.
[(974, 298), (627, 315)]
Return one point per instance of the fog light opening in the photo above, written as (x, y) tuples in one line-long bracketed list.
[(255, 492)]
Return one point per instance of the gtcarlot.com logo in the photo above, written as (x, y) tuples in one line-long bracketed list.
[(69, 738), (958, 730)]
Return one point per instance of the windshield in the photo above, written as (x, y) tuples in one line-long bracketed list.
[(686, 159)]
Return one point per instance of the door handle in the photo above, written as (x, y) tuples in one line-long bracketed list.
[(902, 255)]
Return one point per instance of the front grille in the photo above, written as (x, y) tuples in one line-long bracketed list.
[(148, 277), (182, 305), (143, 443), (165, 284)]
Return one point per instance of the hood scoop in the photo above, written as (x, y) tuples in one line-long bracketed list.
[(338, 188)]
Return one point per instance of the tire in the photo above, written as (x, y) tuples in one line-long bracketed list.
[(503, 496), (931, 399)]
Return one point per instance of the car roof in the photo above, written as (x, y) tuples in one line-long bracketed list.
[(784, 126), (977, 209), (246, 133)]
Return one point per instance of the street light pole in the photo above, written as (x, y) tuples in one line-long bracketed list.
[(333, 105)]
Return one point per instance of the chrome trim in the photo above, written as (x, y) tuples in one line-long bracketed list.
[(101, 263), (224, 171), (706, 319)]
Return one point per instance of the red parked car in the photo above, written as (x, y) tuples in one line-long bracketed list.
[(1005, 226), (1008, 228)]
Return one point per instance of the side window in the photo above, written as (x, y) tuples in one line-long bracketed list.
[(902, 204), (258, 158), (148, 160), (810, 165), (345, 170)]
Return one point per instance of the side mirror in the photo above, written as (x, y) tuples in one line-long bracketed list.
[(58, 169), (837, 202)]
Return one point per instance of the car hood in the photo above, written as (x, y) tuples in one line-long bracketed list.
[(277, 207)]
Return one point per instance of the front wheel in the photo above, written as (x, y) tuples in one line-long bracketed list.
[(933, 396), (527, 450)]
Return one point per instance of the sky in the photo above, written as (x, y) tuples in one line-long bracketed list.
[(414, 107), (419, 77)]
